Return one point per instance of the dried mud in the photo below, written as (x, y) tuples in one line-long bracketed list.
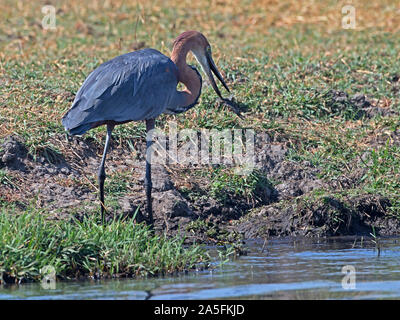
[(64, 184)]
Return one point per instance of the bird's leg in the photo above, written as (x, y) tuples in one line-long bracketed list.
[(147, 179), (102, 173)]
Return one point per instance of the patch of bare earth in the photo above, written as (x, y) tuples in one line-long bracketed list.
[(67, 185)]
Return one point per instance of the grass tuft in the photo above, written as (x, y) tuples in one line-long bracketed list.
[(29, 242)]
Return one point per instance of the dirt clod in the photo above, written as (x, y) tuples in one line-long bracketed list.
[(67, 186)]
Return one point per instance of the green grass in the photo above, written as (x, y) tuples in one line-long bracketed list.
[(6, 180), (283, 77), (29, 242), (281, 60), (383, 175), (224, 185)]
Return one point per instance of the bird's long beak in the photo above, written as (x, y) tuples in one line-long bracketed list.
[(214, 69), (209, 67)]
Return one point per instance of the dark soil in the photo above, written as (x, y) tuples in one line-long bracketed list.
[(65, 184), (358, 105), (324, 217)]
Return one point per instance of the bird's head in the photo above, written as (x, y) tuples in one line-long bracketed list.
[(201, 49)]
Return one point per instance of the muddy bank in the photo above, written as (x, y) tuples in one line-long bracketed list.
[(64, 184), (326, 216)]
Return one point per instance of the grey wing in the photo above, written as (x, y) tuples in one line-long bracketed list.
[(135, 86)]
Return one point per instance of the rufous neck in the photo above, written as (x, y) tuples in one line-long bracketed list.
[(179, 53), (186, 74)]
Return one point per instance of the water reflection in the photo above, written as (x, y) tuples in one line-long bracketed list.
[(283, 269)]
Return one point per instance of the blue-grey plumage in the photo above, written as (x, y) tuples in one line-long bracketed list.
[(138, 85), (141, 85)]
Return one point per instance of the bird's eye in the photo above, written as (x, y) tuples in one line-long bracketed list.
[(209, 50)]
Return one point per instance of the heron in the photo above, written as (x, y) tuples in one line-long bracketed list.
[(140, 86)]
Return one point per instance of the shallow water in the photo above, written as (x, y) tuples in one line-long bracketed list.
[(281, 269)]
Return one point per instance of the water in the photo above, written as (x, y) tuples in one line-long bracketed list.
[(282, 269)]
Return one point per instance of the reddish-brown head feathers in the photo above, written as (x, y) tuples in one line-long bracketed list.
[(192, 37), (197, 43)]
